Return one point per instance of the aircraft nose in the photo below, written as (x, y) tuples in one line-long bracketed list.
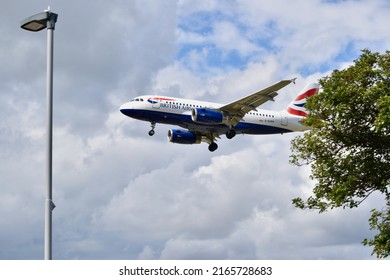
[(125, 108)]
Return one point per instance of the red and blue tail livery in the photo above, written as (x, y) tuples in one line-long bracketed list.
[(297, 106), (206, 121)]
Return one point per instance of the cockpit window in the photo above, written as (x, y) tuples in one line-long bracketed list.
[(137, 100)]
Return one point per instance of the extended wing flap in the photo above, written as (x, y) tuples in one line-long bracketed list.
[(251, 103), (244, 105)]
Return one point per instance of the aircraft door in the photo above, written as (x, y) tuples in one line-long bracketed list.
[(284, 119)]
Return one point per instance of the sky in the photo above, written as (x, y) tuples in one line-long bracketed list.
[(121, 194)]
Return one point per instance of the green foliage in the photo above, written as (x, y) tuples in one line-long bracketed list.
[(380, 221), (348, 147)]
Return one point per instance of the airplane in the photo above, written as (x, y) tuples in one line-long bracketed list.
[(206, 121)]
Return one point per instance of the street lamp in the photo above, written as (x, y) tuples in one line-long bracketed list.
[(35, 23)]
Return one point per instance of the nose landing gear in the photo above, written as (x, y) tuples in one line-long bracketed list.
[(153, 125)]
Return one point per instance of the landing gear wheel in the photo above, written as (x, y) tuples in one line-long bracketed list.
[(230, 133), (153, 125), (213, 146)]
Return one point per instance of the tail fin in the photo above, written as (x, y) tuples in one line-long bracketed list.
[(297, 106)]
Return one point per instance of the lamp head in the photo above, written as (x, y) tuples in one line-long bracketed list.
[(39, 21)]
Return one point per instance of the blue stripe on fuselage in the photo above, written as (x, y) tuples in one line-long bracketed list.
[(186, 122)]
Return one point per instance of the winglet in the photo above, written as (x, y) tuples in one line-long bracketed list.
[(293, 80)]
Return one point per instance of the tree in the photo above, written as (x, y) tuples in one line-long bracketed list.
[(348, 146)]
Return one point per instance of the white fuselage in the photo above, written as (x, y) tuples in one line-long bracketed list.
[(177, 111)]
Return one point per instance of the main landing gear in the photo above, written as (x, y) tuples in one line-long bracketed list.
[(213, 146), (153, 125), (230, 133)]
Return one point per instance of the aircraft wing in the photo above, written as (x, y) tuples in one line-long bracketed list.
[(240, 107)]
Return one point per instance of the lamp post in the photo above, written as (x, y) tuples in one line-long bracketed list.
[(35, 23)]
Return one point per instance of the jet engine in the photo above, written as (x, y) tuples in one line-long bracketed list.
[(183, 137), (208, 116)]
